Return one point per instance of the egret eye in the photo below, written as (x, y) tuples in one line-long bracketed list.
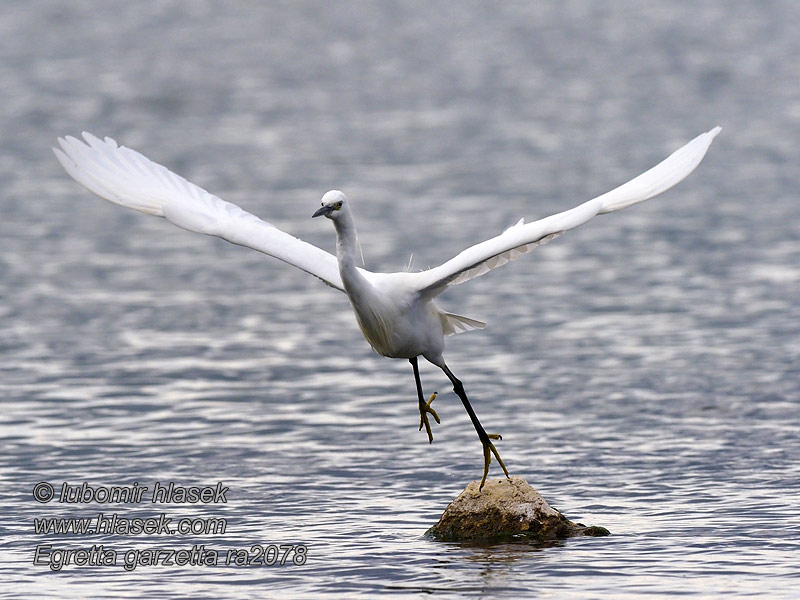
[(338, 205)]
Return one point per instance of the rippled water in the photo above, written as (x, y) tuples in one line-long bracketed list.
[(643, 369)]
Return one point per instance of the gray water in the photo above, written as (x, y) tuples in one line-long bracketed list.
[(643, 369)]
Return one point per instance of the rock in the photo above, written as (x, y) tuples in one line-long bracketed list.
[(506, 509)]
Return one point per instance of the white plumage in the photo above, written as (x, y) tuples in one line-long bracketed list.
[(395, 311)]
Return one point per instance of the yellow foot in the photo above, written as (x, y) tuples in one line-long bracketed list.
[(424, 409), (487, 457)]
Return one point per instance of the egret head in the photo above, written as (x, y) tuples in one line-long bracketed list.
[(334, 204)]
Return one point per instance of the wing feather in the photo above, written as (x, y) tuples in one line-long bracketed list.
[(128, 178), (523, 237)]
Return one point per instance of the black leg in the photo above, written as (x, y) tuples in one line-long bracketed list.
[(488, 446), (424, 407)]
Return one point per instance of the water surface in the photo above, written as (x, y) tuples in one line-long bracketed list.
[(643, 369)]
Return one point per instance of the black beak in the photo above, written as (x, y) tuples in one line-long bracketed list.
[(323, 212)]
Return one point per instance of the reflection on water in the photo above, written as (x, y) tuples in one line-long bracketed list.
[(642, 370)]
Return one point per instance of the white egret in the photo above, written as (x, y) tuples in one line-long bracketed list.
[(395, 311)]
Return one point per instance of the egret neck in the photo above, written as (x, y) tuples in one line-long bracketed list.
[(346, 242)]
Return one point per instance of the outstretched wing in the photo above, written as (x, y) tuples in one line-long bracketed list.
[(523, 237), (128, 178)]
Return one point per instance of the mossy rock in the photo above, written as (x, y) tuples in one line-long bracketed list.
[(505, 510)]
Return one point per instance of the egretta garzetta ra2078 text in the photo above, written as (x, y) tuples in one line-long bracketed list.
[(395, 311)]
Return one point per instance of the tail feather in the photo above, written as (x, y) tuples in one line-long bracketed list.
[(453, 324)]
